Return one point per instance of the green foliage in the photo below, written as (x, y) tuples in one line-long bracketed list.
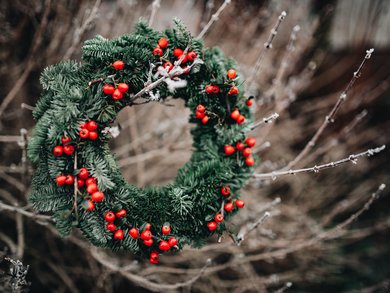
[(68, 100)]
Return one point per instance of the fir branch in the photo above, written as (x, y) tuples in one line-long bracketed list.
[(316, 169), (213, 19), (330, 117)]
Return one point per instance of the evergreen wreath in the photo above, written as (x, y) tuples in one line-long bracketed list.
[(77, 179)]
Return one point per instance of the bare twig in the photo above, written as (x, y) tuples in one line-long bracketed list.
[(265, 120), (155, 7), (242, 234), (213, 19), (284, 288), (267, 46), (330, 117), (22, 211), (79, 31), (316, 169)]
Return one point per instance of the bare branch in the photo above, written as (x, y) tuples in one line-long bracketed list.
[(330, 117), (213, 19), (265, 120), (242, 234), (22, 211), (155, 7), (316, 169)]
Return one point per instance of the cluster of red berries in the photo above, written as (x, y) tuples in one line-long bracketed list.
[(236, 115), (232, 75), (65, 148), (212, 89), (200, 113), (116, 93), (88, 130), (147, 238), (228, 207), (110, 218), (245, 150), (161, 44)]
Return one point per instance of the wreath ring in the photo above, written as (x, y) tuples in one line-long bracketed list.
[(77, 179)]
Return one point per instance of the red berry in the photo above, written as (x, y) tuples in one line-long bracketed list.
[(166, 229), (134, 232), (241, 119), (168, 66), (58, 150), (228, 149), (148, 242), (121, 213), (215, 89), (164, 246), (240, 203), (90, 180), (118, 65), (92, 188), (98, 196), (157, 51), (225, 190), (108, 89), (200, 108), (228, 206), (68, 149), (163, 43), (111, 227), (205, 119), (212, 225), (177, 52), (233, 90), (123, 87), (153, 257), (92, 125), (83, 125), (65, 139), (146, 235), (69, 180), (109, 217), (148, 226), (209, 89), (235, 114), (90, 206), (246, 152), (80, 183), (117, 95), (61, 180), (93, 135), (191, 56), (240, 146), (83, 173), (249, 102), (231, 73), (250, 142), (218, 218), (118, 235), (249, 161), (200, 115), (84, 133), (172, 242)]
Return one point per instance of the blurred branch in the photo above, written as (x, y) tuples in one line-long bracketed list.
[(89, 17), (155, 7), (22, 211), (37, 40), (213, 19), (316, 169)]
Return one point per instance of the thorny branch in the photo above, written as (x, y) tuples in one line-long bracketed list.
[(316, 169)]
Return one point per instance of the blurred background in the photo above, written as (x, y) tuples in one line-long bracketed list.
[(301, 80)]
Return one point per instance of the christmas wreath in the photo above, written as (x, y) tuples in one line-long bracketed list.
[(77, 179)]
